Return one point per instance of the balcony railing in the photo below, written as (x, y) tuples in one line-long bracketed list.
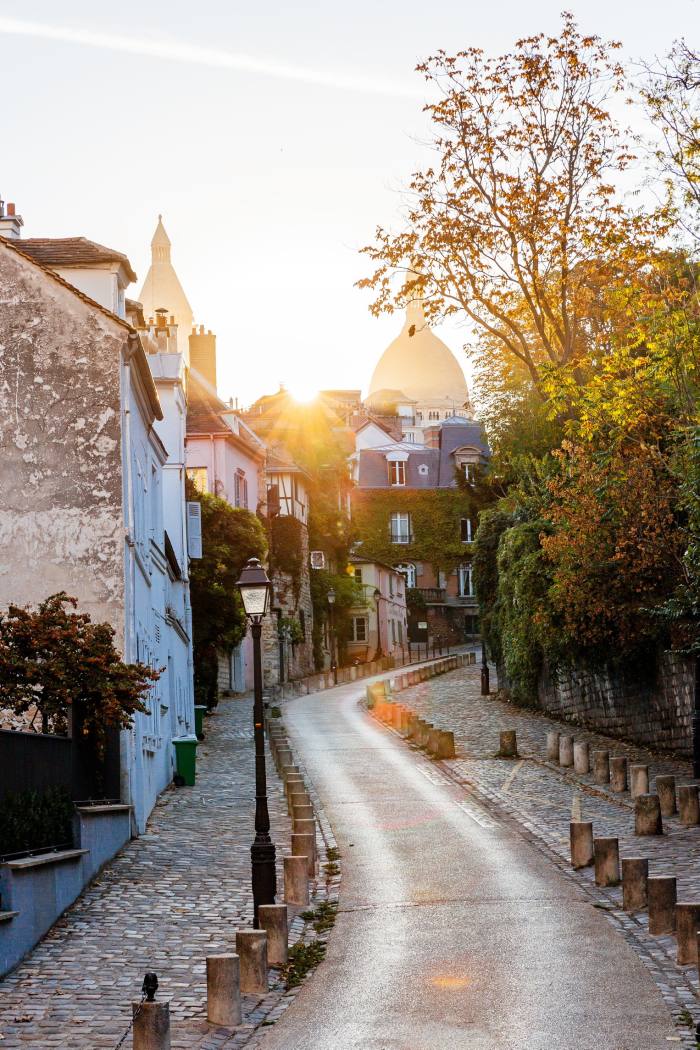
[(433, 594)]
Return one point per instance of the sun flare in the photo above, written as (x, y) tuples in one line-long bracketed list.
[(302, 390)]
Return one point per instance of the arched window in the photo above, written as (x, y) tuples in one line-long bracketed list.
[(408, 571)]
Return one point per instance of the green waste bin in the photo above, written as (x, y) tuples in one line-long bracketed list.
[(186, 758), (199, 712)]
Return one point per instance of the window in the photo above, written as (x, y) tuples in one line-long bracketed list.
[(469, 470), (359, 629), (391, 585), (419, 416), (423, 469), (397, 473), (466, 530), (400, 528), (358, 575), (408, 571), (393, 632), (466, 581), (198, 477), (400, 630), (240, 489)]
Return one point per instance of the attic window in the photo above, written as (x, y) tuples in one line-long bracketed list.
[(397, 473), (423, 469)]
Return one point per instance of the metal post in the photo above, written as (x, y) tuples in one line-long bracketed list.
[(696, 721), (262, 851), (334, 658), (485, 685)]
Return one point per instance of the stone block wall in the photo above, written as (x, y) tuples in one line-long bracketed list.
[(653, 710)]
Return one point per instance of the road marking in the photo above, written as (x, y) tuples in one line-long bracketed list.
[(513, 775), (477, 814)]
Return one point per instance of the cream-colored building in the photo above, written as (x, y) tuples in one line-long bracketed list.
[(162, 290), (418, 379)]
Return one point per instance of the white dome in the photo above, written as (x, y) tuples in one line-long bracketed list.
[(420, 365)]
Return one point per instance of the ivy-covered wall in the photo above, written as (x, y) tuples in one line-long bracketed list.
[(435, 523)]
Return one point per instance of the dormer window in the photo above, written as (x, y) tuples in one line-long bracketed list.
[(397, 473)]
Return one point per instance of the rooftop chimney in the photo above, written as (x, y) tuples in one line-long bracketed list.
[(10, 222), (203, 354)]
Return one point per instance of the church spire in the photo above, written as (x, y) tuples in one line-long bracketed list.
[(160, 243)]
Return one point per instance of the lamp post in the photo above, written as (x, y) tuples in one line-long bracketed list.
[(256, 592), (377, 598), (485, 685), (331, 617)]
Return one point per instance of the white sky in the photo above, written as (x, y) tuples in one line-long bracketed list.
[(273, 138)]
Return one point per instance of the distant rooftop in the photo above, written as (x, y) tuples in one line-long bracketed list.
[(72, 251)]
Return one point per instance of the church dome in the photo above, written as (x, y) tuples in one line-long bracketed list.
[(420, 365)]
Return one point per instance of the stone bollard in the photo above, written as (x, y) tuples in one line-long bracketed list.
[(618, 773), (647, 815), (251, 949), (284, 756), (292, 782), (273, 920), (552, 747), (425, 734), (688, 804), (661, 890), (687, 921), (581, 838), (566, 751), (298, 798), (606, 856), (666, 790), (304, 845), (601, 767), (635, 873), (296, 880), (151, 1026), (446, 744), (507, 744), (433, 741), (302, 813), (224, 990), (639, 780), (581, 757)]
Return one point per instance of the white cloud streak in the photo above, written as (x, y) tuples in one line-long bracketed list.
[(213, 58)]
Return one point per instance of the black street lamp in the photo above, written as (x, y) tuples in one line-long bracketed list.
[(331, 617), (485, 685), (377, 598), (256, 594)]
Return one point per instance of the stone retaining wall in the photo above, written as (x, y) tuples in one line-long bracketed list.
[(654, 711)]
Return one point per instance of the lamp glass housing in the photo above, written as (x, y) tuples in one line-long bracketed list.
[(256, 599), (331, 597)]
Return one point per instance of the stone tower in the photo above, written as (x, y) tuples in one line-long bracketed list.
[(162, 289)]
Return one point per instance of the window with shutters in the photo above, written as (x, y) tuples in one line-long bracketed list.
[(397, 473), (194, 529), (359, 629), (466, 581), (408, 571), (400, 527), (240, 489)]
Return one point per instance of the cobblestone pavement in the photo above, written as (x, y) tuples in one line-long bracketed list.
[(538, 796), (170, 898)]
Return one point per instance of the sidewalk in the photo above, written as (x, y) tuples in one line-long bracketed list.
[(538, 796), (168, 900)]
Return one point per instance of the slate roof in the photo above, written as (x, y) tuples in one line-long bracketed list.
[(454, 434), (72, 251), (204, 409)]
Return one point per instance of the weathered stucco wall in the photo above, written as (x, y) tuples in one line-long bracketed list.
[(654, 709), (61, 519)]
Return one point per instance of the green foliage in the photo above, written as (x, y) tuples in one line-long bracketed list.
[(302, 959), (415, 601), (435, 520), (230, 536), (286, 548), (493, 523), (347, 596), (53, 658), (289, 627), (30, 820)]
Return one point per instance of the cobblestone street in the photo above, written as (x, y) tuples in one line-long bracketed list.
[(539, 797), (170, 898)]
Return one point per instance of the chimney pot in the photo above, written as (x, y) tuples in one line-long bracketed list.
[(201, 329), (10, 208)]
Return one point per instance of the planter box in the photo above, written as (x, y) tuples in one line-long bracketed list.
[(37, 890)]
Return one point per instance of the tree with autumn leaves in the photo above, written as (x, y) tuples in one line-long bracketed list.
[(582, 305), (54, 661)]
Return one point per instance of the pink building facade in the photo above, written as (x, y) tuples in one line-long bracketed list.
[(224, 457)]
